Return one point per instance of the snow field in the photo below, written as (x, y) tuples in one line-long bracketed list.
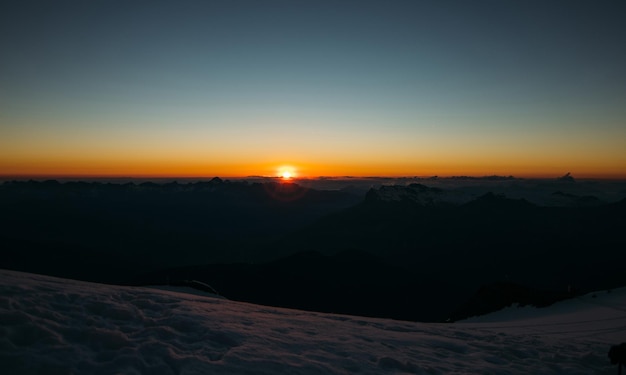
[(57, 326)]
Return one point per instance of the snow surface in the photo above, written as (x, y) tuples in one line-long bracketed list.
[(56, 326)]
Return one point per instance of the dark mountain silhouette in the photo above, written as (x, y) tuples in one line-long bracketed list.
[(406, 252), (413, 193), (566, 178), (487, 239), (55, 225), (351, 282), (491, 202), (496, 296), (569, 199)]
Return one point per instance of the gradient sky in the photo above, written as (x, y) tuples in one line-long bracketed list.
[(236, 88)]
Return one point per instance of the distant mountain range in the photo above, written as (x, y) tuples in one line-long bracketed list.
[(282, 244), (103, 231), (488, 238)]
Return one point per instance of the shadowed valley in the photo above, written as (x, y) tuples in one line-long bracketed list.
[(428, 253)]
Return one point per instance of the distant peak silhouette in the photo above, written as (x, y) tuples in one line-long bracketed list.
[(566, 178), (216, 180)]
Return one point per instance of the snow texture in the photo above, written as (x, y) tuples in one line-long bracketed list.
[(57, 326)]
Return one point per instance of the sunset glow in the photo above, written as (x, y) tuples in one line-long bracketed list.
[(286, 172), (399, 89)]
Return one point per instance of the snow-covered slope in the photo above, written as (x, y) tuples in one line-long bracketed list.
[(57, 326)]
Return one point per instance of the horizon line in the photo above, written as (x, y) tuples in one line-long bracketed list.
[(320, 177)]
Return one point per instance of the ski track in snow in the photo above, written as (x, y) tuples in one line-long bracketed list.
[(56, 326)]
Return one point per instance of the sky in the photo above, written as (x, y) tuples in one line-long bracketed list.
[(321, 88)]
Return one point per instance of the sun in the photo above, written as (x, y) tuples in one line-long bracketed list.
[(286, 173)]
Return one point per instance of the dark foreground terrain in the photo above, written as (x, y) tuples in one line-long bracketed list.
[(431, 251)]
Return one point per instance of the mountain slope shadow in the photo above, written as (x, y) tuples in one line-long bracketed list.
[(350, 282)]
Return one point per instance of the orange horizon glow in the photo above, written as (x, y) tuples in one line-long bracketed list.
[(291, 172), (114, 159), (91, 153), (298, 169), (181, 162)]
